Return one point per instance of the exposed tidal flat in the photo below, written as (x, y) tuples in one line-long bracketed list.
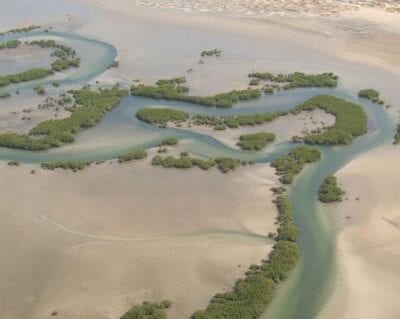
[(139, 46)]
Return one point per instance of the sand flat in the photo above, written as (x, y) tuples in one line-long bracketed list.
[(92, 223), (369, 245)]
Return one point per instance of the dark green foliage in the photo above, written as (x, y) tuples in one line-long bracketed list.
[(12, 44), (208, 120), (369, 94), (212, 52), (226, 164), (184, 161), (21, 30), (169, 141), (13, 163), (299, 79), (278, 190), (172, 89), (254, 82), (256, 141), (397, 135), (287, 230), (32, 74), (148, 310), (351, 120), (132, 155), (60, 65), (161, 115), (92, 106), (250, 295), (329, 191), (290, 165), (39, 90), (4, 95), (72, 165)]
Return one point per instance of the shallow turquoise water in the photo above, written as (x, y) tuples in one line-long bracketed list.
[(308, 287)]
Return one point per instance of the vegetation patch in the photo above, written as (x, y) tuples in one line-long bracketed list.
[(148, 310), (12, 44), (169, 141), (296, 79), (21, 30), (182, 162), (372, 95), (161, 115), (256, 141), (172, 89), (91, 108), (207, 53), (29, 75), (291, 164), (397, 135), (330, 191), (132, 155), (351, 120), (72, 165)]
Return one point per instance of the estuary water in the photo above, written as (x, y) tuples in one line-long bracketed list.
[(306, 290)]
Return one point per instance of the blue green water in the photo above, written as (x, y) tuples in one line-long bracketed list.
[(304, 293)]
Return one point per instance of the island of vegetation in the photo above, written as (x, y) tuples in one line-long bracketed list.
[(291, 164), (330, 191), (172, 89), (294, 80), (207, 53), (91, 108), (351, 120), (148, 310), (256, 141), (372, 95), (161, 115)]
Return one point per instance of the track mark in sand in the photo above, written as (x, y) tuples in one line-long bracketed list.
[(207, 234), (392, 222)]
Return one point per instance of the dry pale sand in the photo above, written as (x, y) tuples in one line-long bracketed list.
[(284, 128), (368, 284), (92, 243)]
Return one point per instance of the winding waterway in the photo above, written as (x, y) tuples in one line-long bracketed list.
[(303, 294)]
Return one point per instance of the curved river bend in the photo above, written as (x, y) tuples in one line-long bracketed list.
[(306, 290)]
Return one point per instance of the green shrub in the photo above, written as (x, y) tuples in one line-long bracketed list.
[(369, 94), (72, 165), (290, 165), (148, 310), (132, 155), (32, 74), (161, 115), (169, 141), (13, 163), (12, 44), (329, 191), (256, 141), (298, 79)]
